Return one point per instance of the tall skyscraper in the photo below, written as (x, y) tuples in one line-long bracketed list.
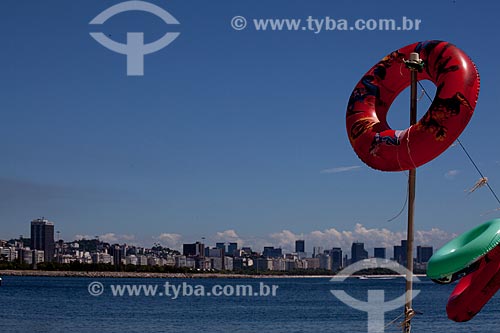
[(404, 252), (42, 238), (194, 250), (317, 250), (325, 261), (400, 252), (231, 248), (379, 252), (358, 252), (272, 252), (300, 246), (118, 254), (336, 254), (424, 253)]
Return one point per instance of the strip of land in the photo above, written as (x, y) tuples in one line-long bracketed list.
[(148, 275), (88, 274)]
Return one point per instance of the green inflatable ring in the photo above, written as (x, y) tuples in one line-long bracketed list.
[(457, 257)]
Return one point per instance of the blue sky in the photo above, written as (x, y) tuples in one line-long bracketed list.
[(228, 131)]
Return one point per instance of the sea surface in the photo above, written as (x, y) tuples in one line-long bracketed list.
[(55, 304)]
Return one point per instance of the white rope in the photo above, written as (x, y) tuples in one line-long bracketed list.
[(394, 320), (408, 147), (401, 211), (410, 314)]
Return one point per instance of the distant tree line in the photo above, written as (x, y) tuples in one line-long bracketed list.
[(82, 267)]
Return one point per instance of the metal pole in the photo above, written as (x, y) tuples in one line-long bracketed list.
[(413, 64)]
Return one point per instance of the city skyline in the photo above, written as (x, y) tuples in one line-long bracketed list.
[(230, 237), (43, 250)]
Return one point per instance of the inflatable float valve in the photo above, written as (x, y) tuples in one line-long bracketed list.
[(415, 63)]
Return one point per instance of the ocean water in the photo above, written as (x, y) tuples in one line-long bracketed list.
[(50, 304)]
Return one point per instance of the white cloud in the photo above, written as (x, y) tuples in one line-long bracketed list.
[(170, 240), (451, 174), (327, 238), (435, 236), (127, 237), (341, 169), (109, 237), (284, 239), (229, 235), (80, 237), (371, 237)]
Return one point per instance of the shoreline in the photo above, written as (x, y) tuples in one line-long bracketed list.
[(86, 274)]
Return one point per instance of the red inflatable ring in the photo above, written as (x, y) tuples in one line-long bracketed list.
[(383, 148), (475, 290)]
